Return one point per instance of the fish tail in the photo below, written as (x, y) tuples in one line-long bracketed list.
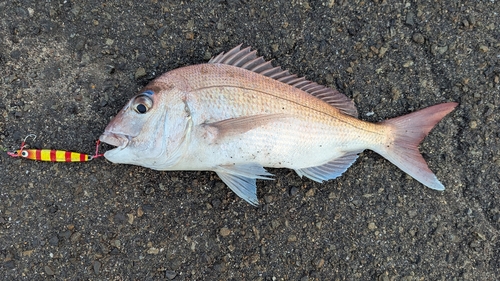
[(406, 134)]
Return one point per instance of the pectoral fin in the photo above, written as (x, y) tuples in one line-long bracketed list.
[(330, 170), (241, 179), (240, 125)]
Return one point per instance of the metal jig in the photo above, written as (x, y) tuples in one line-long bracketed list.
[(52, 155)]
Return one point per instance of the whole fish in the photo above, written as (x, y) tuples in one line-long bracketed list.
[(237, 114)]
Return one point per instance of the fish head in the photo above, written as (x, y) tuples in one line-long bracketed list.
[(150, 129)]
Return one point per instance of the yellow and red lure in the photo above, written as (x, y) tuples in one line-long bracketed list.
[(52, 155)]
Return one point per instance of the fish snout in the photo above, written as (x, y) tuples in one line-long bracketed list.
[(115, 139)]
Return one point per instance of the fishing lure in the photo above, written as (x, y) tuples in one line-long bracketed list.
[(52, 155)]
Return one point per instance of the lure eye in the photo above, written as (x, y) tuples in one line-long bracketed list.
[(142, 104), (24, 153)]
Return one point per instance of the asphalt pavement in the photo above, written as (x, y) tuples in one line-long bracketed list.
[(67, 67)]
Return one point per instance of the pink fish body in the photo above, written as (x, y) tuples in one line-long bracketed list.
[(238, 114)]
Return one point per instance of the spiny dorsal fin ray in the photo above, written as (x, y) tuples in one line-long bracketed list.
[(247, 59)]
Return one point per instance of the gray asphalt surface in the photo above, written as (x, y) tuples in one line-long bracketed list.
[(67, 67)]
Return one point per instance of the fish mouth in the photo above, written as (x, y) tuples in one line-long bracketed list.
[(119, 140)]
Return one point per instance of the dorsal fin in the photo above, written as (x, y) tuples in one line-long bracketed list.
[(247, 59)]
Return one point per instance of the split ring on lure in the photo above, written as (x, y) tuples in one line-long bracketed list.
[(53, 155)]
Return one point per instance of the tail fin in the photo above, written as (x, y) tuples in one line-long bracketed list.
[(407, 133)]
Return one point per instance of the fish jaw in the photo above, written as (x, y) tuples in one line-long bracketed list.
[(119, 140)]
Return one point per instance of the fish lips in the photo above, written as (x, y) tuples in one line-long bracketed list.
[(119, 140)]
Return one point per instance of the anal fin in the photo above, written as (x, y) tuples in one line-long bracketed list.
[(329, 170), (241, 179)]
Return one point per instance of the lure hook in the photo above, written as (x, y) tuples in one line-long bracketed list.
[(30, 135), (23, 146)]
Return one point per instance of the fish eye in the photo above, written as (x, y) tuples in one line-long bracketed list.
[(141, 108), (24, 153), (142, 104)]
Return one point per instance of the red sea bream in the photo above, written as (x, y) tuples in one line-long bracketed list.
[(237, 114)]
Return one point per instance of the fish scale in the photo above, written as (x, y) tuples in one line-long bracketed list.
[(263, 100), (238, 114), (237, 78), (310, 122)]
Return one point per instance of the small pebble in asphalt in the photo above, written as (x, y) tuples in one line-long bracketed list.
[(49, 270), (170, 275), (225, 231), (97, 267)]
